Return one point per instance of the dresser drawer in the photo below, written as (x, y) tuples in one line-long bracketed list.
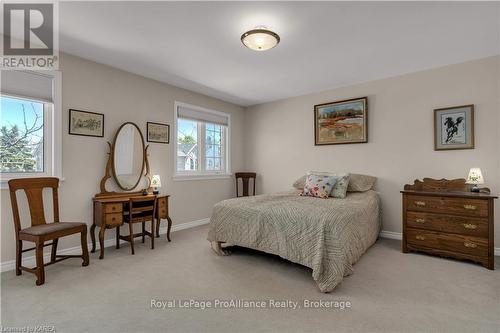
[(448, 205), (447, 242), (467, 226), (113, 207), (113, 219)]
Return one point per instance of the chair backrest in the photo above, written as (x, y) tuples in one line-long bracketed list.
[(33, 187), (142, 208), (245, 179)]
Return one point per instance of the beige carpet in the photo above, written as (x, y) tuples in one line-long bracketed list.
[(389, 292)]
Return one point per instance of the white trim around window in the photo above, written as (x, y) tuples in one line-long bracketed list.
[(52, 131), (202, 174)]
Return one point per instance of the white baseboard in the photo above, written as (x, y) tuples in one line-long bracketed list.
[(391, 235), (31, 261), (399, 236)]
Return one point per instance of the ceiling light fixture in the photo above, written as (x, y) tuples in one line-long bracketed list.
[(260, 39)]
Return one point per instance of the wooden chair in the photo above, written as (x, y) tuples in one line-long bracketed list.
[(41, 231), (245, 178), (140, 210)]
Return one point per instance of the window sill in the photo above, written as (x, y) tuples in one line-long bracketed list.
[(181, 177)]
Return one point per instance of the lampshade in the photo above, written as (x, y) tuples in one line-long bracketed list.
[(260, 39), (155, 181), (475, 176)]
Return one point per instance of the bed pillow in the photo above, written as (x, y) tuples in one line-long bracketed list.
[(360, 183), (318, 186), (300, 183)]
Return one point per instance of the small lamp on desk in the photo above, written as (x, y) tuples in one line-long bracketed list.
[(156, 183), (476, 178)]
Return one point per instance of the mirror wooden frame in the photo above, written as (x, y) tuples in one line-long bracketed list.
[(109, 171)]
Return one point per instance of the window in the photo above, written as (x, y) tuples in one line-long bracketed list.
[(29, 126), (201, 142), (21, 135)]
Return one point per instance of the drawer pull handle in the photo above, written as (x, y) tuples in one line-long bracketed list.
[(470, 207), (470, 245), (470, 226), (420, 203), (420, 237), (420, 220)]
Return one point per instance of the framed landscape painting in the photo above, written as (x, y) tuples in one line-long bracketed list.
[(341, 122), (454, 128), (86, 123), (159, 133)]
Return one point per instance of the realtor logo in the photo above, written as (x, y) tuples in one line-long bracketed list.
[(29, 36)]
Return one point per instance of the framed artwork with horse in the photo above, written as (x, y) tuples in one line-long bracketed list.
[(454, 128)]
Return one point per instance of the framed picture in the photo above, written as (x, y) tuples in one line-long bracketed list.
[(86, 123), (157, 132), (341, 122), (454, 128)]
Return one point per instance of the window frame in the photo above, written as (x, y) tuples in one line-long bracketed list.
[(202, 173), (52, 133)]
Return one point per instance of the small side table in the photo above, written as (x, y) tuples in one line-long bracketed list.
[(162, 213)]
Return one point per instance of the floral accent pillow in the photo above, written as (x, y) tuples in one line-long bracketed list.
[(339, 190), (318, 186)]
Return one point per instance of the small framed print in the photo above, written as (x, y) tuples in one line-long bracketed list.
[(454, 128), (86, 123), (159, 133)]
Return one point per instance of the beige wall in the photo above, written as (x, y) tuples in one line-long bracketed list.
[(279, 139), (122, 97)]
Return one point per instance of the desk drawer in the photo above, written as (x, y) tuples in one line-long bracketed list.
[(453, 243), (162, 202), (113, 219), (467, 226), (448, 205), (113, 207)]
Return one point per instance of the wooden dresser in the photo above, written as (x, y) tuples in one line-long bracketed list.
[(444, 218)]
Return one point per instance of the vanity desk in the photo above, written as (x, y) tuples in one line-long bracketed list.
[(109, 213), (128, 168)]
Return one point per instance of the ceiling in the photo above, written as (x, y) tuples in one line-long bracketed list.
[(196, 45)]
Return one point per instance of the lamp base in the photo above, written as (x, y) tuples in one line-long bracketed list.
[(475, 189), (155, 191)]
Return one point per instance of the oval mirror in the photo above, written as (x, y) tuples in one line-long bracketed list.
[(128, 156)]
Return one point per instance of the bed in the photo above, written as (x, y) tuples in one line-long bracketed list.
[(327, 235)]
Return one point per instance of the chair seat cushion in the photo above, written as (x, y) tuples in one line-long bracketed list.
[(49, 228)]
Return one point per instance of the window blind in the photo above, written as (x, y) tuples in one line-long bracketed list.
[(27, 84), (202, 116)]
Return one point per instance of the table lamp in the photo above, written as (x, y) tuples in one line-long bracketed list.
[(156, 183), (475, 177)]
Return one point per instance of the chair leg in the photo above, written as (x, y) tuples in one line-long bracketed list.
[(158, 221), (53, 252), (92, 237), (143, 230), (131, 236), (152, 234), (85, 250), (19, 258), (40, 269), (118, 237)]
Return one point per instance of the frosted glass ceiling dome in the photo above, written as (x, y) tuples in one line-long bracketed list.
[(260, 39)]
